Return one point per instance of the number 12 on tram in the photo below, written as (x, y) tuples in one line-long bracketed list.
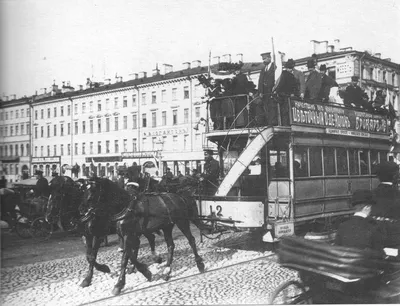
[(282, 177)]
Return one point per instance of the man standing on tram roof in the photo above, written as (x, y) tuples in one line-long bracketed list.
[(211, 173), (326, 84), (355, 95), (313, 82), (266, 83), (300, 81)]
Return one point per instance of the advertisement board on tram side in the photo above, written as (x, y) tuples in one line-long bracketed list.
[(338, 120)]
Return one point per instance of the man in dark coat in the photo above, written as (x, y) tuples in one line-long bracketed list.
[(355, 96), (387, 197), (313, 82), (326, 84), (133, 173), (267, 112), (211, 173), (359, 231), (42, 185), (240, 86)]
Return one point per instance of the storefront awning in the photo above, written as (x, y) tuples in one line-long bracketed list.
[(10, 159)]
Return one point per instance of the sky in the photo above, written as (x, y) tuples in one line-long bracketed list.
[(46, 41)]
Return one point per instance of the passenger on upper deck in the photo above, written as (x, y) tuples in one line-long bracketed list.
[(355, 96), (360, 232), (326, 84), (267, 111), (300, 82), (378, 105), (241, 86), (313, 82)]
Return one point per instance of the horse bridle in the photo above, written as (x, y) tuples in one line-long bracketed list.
[(93, 211)]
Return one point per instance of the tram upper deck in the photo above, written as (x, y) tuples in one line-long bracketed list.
[(303, 171)]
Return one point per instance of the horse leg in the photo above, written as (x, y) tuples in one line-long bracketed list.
[(91, 258), (152, 242), (127, 254), (134, 244), (184, 226), (171, 246), (99, 267)]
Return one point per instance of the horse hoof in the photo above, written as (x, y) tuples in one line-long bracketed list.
[(104, 269), (201, 267), (166, 277), (131, 270), (85, 283), (158, 260), (116, 291), (148, 275)]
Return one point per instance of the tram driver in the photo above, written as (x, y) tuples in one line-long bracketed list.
[(209, 177)]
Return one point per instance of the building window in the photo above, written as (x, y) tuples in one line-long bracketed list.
[(98, 147), (62, 150), (36, 115), (28, 128), (154, 119), (174, 94), (186, 115), (16, 130), (164, 118), (144, 144), (36, 132), (134, 103), (91, 106), (185, 142), (54, 150), (153, 143), (143, 98), (55, 129), (116, 146), (76, 149), (16, 150), (36, 151), (175, 142), (48, 113), (16, 114), (107, 104), (68, 110), (41, 114), (134, 123), (125, 122), (61, 129), (83, 107), (91, 148), (41, 131), (48, 150), (83, 148), (116, 123), (55, 112), (22, 129), (144, 120), (62, 111), (48, 131), (125, 145), (76, 128), (164, 95), (125, 101), (107, 124), (107, 146), (99, 105), (186, 92), (83, 127), (69, 128), (22, 113), (134, 145), (153, 97), (98, 125), (116, 103), (174, 117), (91, 126), (76, 108), (69, 149), (197, 113)]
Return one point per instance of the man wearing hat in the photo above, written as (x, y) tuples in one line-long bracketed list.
[(326, 84), (42, 185), (359, 231), (268, 111), (355, 96), (313, 82), (211, 173), (300, 80)]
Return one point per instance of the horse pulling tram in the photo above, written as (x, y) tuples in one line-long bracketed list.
[(298, 177)]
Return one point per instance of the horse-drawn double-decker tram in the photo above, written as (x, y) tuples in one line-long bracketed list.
[(282, 177)]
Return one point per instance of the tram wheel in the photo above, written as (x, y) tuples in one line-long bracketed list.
[(23, 227), (40, 228), (291, 292)]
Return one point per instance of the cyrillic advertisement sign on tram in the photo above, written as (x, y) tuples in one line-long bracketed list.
[(338, 120)]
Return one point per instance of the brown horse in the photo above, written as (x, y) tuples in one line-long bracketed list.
[(145, 214), (67, 195)]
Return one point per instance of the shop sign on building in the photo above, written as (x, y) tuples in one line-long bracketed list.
[(166, 132), (142, 154), (36, 160)]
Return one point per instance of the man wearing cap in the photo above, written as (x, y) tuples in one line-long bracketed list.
[(211, 173), (326, 84), (313, 82), (359, 231), (42, 185), (354, 95), (268, 111), (300, 80)]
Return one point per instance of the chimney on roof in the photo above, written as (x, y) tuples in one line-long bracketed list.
[(134, 76), (107, 81), (13, 97), (378, 55), (216, 59), (44, 90), (336, 44), (156, 71), (142, 74), (196, 64), (314, 46), (80, 87), (63, 83), (387, 59), (226, 58), (331, 48), (167, 68), (186, 65), (324, 46), (346, 49), (69, 84)]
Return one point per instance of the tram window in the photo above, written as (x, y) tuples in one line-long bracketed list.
[(374, 161), (342, 167), (300, 162), (315, 161), (364, 164), (383, 156), (279, 163), (329, 161), (353, 159)]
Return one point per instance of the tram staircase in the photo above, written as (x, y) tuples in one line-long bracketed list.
[(244, 160)]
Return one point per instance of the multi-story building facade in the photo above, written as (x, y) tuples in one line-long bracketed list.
[(153, 121)]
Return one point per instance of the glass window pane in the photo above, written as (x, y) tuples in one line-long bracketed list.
[(353, 160), (329, 161), (342, 166), (364, 163), (316, 161), (374, 161), (300, 162)]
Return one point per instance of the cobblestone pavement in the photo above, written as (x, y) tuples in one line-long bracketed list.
[(56, 282)]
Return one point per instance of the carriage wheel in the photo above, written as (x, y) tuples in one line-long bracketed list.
[(291, 292), (23, 227), (40, 228)]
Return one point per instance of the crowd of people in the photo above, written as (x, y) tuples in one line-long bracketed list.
[(235, 102)]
